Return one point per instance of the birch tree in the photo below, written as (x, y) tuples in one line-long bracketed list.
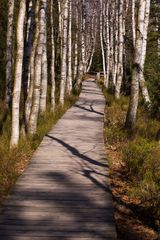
[(53, 87), (69, 78), (143, 85), (28, 102), (83, 45), (18, 74), (76, 44), (102, 43), (38, 70), (9, 51), (28, 46), (44, 75), (120, 52), (137, 67), (64, 52)]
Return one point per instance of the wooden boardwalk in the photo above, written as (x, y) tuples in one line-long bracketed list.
[(63, 194)]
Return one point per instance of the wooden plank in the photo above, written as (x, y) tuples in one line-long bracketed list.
[(63, 193)]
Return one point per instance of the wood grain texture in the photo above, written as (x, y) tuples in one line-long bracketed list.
[(63, 193)]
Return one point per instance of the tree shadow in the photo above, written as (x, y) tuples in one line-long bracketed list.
[(76, 153)]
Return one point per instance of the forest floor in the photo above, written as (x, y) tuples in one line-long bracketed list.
[(136, 218), (132, 219)]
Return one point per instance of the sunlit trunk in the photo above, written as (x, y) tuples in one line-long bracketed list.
[(18, 75)]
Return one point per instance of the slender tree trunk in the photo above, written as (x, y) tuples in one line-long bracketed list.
[(93, 39), (102, 43), (9, 52), (53, 88), (64, 53), (91, 59), (120, 52), (111, 57), (133, 105), (60, 29), (38, 70), (133, 23), (18, 75), (28, 102), (28, 47), (83, 45), (69, 78), (115, 48), (143, 85), (44, 75), (76, 47), (107, 45)]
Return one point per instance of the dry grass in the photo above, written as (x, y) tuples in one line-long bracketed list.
[(134, 171), (13, 162)]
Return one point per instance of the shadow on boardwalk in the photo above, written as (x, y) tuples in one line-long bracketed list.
[(63, 194)]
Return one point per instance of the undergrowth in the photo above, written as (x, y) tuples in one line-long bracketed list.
[(13, 162), (140, 152)]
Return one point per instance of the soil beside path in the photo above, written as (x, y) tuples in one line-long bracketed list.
[(63, 193)]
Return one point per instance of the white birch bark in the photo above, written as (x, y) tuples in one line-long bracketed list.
[(76, 46), (18, 75), (91, 58), (28, 102), (83, 45), (69, 78), (133, 105), (53, 87), (111, 57), (102, 44), (38, 70), (107, 45), (9, 51), (64, 52), (44, 75), (143, 85), (133, 22), (28, 47), (115, 48), (60, 29), (120, 52)]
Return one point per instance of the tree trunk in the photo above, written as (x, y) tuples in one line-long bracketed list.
[(143, 85), (76, 47), (64, 52), (53, 88), (115, 47), (28, 47), (120, 52), (44, 81), (83, 44), (102, 43), (9, 52), (28, 102), (133, 105), (38, 70), (18, 75), (133, 23), (107, 45), (69, 78)]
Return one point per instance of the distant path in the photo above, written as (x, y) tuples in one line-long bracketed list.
[(63, 194)]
